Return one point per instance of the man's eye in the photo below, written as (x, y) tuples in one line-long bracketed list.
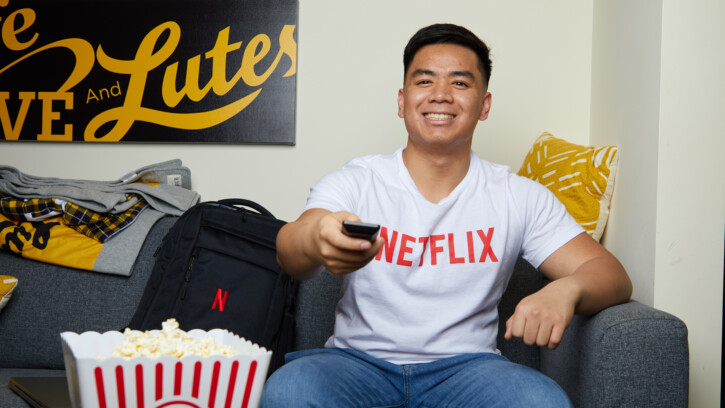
[(424, 82), (460, 83)]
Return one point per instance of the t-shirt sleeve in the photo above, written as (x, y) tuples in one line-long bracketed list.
[(337, 191), (547, 224)]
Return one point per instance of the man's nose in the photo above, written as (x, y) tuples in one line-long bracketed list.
[(441, 92)]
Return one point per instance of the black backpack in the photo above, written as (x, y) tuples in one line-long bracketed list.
[(217, 268)]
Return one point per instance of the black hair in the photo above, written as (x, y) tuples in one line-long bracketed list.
[(448, 34)]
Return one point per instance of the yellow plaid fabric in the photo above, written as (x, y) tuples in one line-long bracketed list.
[(18, 209), (99, 226)]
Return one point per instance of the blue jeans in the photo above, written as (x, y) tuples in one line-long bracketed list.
[(342, 378)]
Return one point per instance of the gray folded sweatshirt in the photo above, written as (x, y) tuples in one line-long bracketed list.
[(109, 196), (172, 196)]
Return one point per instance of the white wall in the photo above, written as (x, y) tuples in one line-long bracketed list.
[(690, 187), (658, 94), (625, 113)]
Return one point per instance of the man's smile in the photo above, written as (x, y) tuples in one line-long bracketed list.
[(439, 116)]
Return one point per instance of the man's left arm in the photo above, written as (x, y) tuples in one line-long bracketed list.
[(586, 278)]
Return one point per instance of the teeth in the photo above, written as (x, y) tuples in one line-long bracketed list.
[(438, 116)]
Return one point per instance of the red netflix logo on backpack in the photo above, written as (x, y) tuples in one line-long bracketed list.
[(220, 300)]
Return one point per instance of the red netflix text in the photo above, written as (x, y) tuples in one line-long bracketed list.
[(435, 249)]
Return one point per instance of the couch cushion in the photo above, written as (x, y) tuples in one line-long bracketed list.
[(315, 310), (52, 299)]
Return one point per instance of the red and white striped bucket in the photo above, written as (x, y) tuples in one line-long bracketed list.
[(164, 382)]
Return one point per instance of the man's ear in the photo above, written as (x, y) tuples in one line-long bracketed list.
[(401, 102), (486, 107)]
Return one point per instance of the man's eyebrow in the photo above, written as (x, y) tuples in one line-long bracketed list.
[(467, 74), (422, 71)]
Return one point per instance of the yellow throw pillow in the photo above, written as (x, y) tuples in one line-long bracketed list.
[(7, 285), (581, 177)]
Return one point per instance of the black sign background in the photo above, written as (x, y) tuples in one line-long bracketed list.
[(119, 27)]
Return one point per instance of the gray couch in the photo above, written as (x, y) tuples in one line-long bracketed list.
[(626, 356)]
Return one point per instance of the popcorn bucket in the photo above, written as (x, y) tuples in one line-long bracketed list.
[(97, 380)]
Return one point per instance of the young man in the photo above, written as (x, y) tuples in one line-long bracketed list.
[(417, 323)]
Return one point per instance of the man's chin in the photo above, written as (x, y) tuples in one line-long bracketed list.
[(440, 143)]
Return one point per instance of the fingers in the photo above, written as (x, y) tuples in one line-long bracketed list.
[(536, 327), (557, 334), (340, 253), (341, 260), (338, 243)]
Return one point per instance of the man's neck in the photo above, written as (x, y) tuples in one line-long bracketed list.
[(436, 174)]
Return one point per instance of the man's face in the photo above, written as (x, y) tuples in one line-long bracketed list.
[(444, 96)]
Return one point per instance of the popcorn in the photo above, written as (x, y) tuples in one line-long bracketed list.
[(170, 341), (164, 368)]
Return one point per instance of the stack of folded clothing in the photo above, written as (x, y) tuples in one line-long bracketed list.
[(93, 225)]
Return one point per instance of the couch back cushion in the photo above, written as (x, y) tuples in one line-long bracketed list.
[(315, 310), (52, 299)]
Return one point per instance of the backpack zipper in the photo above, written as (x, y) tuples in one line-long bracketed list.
[(187, 279)]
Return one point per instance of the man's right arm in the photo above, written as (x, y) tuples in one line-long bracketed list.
[(316, 241)]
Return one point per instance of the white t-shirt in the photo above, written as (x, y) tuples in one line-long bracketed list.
[(433, 289)]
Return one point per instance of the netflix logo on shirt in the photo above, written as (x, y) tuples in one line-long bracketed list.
[(437, 249)]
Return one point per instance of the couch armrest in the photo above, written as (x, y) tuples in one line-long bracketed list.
[(630, 355)]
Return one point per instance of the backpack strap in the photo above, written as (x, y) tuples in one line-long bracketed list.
[(246, 203)]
